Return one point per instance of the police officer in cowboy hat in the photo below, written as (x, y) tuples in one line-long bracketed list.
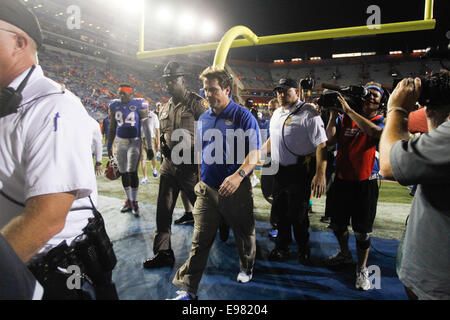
[(179, 171)]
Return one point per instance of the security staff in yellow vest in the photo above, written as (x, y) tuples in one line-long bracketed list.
[(178, 171)]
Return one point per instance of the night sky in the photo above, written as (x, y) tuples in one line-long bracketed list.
[(269, 17)]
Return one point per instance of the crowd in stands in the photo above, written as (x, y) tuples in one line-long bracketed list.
[(357, 73), (95, 81)]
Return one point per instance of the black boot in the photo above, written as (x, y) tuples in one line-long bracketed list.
[(186, 218), (279, 255), (164, 258), (304, 255)]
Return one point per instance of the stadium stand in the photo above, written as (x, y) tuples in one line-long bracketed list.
[(95, 81), (93, 60)]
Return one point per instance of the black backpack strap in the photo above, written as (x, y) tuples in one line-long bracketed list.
[(93, 208)]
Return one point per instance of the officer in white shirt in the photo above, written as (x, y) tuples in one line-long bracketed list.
[(97, 146), (297, 144), (47, 182)]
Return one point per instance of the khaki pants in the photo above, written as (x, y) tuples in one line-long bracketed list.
[(237, 211), (173, 180)]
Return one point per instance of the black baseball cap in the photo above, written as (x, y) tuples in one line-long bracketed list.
[(16, 13), (286, 84)]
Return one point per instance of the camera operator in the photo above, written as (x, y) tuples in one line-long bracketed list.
[(297, 137), (424, 260), (355, 189)]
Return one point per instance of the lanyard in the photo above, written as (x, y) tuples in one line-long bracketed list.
[(296, 109)]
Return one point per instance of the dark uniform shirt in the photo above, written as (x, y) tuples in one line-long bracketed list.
[(181, 116)]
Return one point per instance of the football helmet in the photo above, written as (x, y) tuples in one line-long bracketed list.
[(112, 169)]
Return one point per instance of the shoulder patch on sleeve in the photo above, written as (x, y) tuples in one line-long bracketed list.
[(194, 97), (145, 104), (140, 103)]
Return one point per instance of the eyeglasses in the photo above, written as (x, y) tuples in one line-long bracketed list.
[(9, 31)]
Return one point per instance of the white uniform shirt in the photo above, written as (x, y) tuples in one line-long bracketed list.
[(97, 140), (45, 148), (155, 123), (303, 132)]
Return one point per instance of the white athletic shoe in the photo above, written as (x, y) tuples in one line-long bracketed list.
[(244, 277), (144, 181), (183, 295), (155, 173), (362, 279)]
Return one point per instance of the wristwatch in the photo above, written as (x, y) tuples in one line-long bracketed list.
[(98, 164), (242, 173)]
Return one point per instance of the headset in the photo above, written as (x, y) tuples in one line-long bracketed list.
[(10, 99)]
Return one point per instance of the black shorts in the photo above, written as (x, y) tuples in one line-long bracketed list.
[(356, 200)]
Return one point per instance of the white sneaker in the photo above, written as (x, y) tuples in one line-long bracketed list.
[(155, 173), (144, 181), (254, 180), (362, 279), (183, 295), (244, 277)]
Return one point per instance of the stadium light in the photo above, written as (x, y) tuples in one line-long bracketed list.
[(164, 14), (132, 7), (186, 22), (208, 28), (346, 55)]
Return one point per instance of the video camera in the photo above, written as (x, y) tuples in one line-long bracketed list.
[(354, 95), (435, 89)]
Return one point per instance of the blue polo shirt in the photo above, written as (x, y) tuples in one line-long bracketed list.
[(226, 139), (264, 125)]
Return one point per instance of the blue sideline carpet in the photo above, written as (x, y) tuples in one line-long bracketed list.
[(133, 241)]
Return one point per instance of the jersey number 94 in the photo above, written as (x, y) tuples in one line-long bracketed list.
[(130, 119)]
